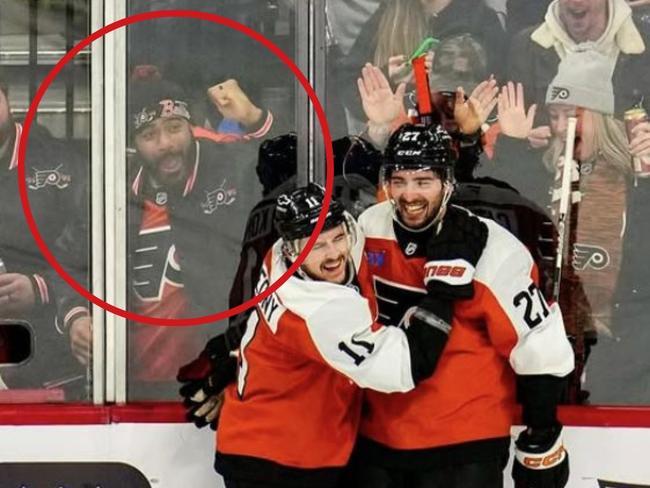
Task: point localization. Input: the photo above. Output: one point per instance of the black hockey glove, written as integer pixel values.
(427, 328)
(452, 254)
(204, 380)
(540, 459)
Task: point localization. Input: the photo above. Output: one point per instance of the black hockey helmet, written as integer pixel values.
(296, 213)
(354, 155)
(276, 161)
(419, 147)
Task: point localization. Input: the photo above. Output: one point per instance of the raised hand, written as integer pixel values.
(513, 118)
(380, 104)
(640, 140)
(233, 103)
(471, 113)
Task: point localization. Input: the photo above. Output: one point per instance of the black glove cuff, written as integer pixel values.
(427, 333)
(539, 396)
(448, 293)
(438, 305)
(234, 334)
(224, 374)
(426, 344)
(219, 347)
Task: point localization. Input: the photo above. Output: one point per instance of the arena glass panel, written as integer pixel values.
(46, 338)
(515, 177)
(200, 201)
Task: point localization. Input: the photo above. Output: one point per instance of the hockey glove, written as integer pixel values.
(427, 328)
(452, 254)
(204, 380)
(540, 459)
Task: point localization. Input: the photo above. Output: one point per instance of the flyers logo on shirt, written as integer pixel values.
(48, 177)
(218, 197)
(155, 267)
(585, 256)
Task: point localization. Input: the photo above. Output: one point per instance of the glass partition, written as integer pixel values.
(199, 187)
(33, 37)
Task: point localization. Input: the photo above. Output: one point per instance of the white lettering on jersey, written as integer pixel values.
(271, 307)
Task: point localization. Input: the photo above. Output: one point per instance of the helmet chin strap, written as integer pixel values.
(448, 189)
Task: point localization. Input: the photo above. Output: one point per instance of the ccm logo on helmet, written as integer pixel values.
(444, 270)
(409, 152)
(552, 459)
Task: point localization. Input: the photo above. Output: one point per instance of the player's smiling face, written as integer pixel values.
(165, 147)
(327, 260)
(417, 195)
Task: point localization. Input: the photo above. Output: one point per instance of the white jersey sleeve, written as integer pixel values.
(347, 338)
(523, 326)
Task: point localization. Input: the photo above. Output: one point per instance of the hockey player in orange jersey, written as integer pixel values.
(453, 430)
(291, 418)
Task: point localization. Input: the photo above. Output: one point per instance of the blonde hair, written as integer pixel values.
(609, 142)
(401, 30)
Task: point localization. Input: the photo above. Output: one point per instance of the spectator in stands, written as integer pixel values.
(459, 61)
(398, 26)
(187, 208)
(29, 288)
(218, 53)
(608, 26)
(500, 7)
(523, 14)
(345, 18)
(188, 202)
(608, 218)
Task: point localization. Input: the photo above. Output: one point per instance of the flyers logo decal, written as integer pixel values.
(218, 197)
(48, 177)
(585, 256)
(561, 93)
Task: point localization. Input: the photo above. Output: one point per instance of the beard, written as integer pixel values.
(171, 168)
(416, 214)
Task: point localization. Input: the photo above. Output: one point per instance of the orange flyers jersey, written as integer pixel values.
(157, 279)
(156, 352)
(506, 328)
(306, 351)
